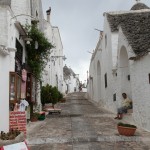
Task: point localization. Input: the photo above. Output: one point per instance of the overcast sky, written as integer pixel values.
(77, 20)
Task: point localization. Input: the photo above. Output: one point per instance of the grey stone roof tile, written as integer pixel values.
(68, 72)
(136, 28)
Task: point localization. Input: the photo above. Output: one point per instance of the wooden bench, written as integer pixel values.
(53, 110)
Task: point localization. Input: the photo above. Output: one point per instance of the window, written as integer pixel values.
(36, 13)
(105, 41)
(18, 57)
(114, 97)
(105, 80)
(128, 77)
(149, 78)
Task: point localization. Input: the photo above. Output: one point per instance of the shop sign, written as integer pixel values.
(17, 146)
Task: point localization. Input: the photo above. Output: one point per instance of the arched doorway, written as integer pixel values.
(98, 81)
(124, 72)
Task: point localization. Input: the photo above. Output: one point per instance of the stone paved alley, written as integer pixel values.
(82, 126)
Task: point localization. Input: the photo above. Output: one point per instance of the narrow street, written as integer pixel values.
(81, 126)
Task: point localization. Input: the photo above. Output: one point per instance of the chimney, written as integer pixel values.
(101, 34)
(48, 14)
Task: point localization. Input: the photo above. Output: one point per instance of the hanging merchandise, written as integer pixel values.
(23, 105)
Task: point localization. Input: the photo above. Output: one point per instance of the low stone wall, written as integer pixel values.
(19, 138)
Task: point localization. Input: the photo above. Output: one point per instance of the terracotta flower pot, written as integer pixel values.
(63, 100)
(127, 131)
(34, 119)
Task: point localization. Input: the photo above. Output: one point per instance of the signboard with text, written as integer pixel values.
(17, 146)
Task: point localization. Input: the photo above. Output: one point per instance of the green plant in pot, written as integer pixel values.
(46, 94)
(54, 95)
(50, 94)
(35, 116)
(126, 129)
(60, 97)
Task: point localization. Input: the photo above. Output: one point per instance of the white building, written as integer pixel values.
(14, 15)
(121, 61)
(71, 81)
(53, 72)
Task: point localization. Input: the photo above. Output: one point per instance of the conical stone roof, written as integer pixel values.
(139, 6)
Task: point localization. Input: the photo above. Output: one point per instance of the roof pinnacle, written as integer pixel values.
(138, 1)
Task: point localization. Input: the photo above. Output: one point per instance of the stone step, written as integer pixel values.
(130, 111)
(128, 118)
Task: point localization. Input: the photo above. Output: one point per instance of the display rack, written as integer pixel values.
(14, 88)
(31, 88)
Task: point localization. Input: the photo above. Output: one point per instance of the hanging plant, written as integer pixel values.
(37, 56)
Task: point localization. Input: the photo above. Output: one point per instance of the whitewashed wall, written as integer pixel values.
(6, 33)
(18, 11)
(21, 9)
(107, 60)
(64, 87)
(4, 86)
(53, 72)
(140, 92)
(114, 58)
(37, 13)
(72, 84)
(47, 74)
(139, 80)
(104, 61)
(58, 51)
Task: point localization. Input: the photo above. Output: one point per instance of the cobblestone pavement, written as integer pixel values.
(82, 126)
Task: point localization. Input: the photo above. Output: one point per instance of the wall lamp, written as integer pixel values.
(23, 33)
(53, 58)
(26, 38)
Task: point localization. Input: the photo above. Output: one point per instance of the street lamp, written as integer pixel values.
(56, 57)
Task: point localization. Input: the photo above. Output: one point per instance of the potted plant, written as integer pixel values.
(12, 137)
(61, 98)
(46, 94)
(54, 96)
(42, 115)
(34, 117)
(126, 129)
